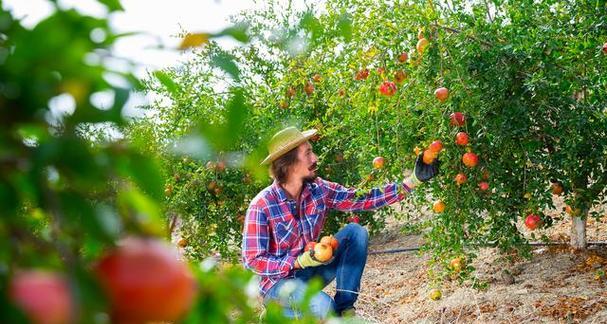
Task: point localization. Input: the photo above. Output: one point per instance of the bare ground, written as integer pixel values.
(556, 286)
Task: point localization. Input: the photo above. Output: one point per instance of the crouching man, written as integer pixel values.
(291, 212)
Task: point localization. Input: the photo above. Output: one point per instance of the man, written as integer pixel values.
(291, 212)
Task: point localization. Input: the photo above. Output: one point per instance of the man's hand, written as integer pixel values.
(306, 260)
(422, 172)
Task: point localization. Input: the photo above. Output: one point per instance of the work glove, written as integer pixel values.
(306, 260)
(422, 172)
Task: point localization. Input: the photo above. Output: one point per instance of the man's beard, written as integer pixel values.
(310, 179)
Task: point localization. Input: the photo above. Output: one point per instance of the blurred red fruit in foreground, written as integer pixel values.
(145, 281)
(43, 296)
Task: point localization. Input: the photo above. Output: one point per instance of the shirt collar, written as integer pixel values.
(282, 195)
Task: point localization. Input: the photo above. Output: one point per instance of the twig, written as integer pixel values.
(172, 224)
(488, 11)
(480, 313)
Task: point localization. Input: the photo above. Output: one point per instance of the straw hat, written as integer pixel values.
(286, 140)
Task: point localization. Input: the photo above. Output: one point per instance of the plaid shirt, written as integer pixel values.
(273, 236)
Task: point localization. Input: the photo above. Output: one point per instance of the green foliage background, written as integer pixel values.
(529, 76)
(67, 193)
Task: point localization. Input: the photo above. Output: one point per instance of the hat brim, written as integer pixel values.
(307, 134)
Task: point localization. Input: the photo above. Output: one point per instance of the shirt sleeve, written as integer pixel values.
(255, 243)
(350, 199)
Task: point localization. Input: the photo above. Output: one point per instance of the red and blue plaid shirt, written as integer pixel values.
(274, 235)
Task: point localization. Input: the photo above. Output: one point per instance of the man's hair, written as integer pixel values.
(280, 167)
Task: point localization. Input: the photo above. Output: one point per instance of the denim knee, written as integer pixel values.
(357, 232)
(290, 293)
(321, 305)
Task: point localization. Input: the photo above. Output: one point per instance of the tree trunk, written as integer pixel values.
(578, 232)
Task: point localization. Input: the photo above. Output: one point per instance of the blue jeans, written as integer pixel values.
(347, 268)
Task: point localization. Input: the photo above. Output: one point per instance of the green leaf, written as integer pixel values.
(90, 295)
(112, 5)
(238, 32)
(147, 213)
(225, 62)
(114, 37)
(254, 158)
(10, 202)
(121, 96)
(311, 24)
(166, 80)
(10, 313)
(146, 173)
(236, 116)
(344, 27)
(78, 213)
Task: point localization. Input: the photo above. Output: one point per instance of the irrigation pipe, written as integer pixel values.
(416, 248)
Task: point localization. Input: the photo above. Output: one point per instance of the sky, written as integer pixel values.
(157, 21)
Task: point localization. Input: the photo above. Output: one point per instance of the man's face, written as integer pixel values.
(307, 163)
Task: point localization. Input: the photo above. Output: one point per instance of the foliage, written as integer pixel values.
(529, 78)
(66, 196)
